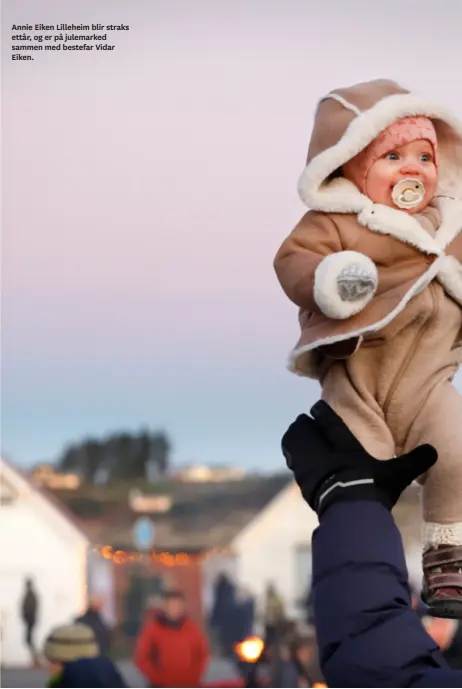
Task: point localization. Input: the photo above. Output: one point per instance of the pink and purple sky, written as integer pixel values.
(145, 193)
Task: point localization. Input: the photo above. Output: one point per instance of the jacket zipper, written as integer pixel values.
(412, 350)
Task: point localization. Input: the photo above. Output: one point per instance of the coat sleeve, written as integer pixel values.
(367, 632)
(144, 652)
(311, 260)
(315, 237)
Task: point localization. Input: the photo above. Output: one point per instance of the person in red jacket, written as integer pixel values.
(171, 650)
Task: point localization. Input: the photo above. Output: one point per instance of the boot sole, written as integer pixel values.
(446, 609)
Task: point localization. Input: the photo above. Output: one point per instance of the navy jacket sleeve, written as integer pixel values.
(368, 634)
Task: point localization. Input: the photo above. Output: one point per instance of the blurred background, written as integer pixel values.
(144, 391)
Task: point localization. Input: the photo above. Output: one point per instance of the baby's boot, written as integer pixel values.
(442, 583)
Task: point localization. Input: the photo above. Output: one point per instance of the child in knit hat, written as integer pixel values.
(375, 269)
(75, 661)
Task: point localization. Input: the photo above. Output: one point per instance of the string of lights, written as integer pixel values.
(163, 557)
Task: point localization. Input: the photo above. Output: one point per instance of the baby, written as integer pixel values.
(375, 268)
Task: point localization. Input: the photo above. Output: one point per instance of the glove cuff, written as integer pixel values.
(348, 486)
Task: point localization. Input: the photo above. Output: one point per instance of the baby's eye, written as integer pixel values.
(392, 156)
(426, 158)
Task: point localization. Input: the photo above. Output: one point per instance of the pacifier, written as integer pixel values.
(408, 193)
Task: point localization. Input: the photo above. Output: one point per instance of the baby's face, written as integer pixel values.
(416, 160)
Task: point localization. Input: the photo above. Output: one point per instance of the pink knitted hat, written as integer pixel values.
(397, 134)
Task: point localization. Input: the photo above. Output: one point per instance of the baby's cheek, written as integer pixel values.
(432, 183)
(378, 186)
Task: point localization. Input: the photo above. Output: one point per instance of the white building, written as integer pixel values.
(37, 540)
(276, 547)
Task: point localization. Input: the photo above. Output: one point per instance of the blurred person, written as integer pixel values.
(237, 622)
(29, 615)
(273, 615)
(298, 668)
(307, 604)
(441, 630)
(295, 660)
(75, 661)
(245, 614)
(448, 635)
(171, 650)
(368, 634)
(95, 620)
(453, 652)
(224, 601)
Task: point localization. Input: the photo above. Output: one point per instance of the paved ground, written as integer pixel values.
(219, 669)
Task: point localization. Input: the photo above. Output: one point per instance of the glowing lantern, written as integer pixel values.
(250, 649)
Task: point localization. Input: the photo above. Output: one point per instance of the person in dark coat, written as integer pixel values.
(223, 600)
(224, 603)
(238, 622)
(240, 626)
(75, 660)
(94, 619)
(29, 615)
(245, 614)
(367, 632)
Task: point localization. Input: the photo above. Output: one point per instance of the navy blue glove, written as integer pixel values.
(329, 464)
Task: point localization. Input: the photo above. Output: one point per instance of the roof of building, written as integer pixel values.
(13, 473)
(203, 515)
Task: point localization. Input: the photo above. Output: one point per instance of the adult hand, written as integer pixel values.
(330, 464)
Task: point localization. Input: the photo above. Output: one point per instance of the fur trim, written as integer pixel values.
(451, 220)
(347, 197)
(361, 131)
(441, 534)
(417, 287)
(325, 284)
(450, 277)
(396, 223)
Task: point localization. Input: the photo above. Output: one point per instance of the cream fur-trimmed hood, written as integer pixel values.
(347, 120)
